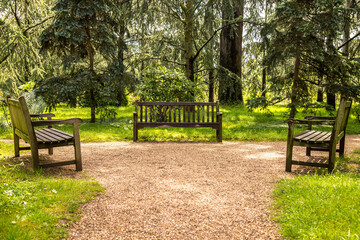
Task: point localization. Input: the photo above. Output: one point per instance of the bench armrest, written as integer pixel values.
(318, 117)
(43, 115)
(292, 121)
(56, 122)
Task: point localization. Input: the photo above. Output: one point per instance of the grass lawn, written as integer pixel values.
(238, 125)
(319, 207)
(36, 206)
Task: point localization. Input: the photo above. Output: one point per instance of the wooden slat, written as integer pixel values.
(64, 133)
(192, 109)
(155, 113)
(207, 110)
(146, 113)
(56, 164)
(151, 113)
(170, 113)
(304, 134)
(164, 114)
(311, 136)
(141, 113)
(174, 113)
(43, 137)
(212, 113)
(52, 135)
(326, 137)
(184, 113)
(188, 110)
(203, 113)
(320, 137)
(198, 113)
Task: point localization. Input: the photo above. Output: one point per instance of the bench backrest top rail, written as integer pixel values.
(341, 119)
(20, 118)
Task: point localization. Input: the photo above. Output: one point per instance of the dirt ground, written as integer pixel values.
(175, 190)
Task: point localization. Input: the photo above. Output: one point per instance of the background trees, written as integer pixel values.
(95, 53)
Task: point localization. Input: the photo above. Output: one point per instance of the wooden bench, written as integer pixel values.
(319, 140)
(44, 138)
(177, 114)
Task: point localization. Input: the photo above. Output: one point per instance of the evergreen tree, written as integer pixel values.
(83, 35)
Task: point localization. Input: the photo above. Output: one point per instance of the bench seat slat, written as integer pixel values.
(313, 137)
(48, 135)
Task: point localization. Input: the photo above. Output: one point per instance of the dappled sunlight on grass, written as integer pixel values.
(238, 125)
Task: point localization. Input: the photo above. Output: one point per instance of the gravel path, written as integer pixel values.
(183, 190)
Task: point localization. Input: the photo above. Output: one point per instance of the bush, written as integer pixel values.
(162, 84)
(356, 112)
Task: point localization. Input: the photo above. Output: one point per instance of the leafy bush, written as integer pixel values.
(356, 112)
(162, 84)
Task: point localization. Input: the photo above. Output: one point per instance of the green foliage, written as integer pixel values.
(84, 35)
(106, 113)
(356, 111)
(35, 206)
(319, 207)
(308, 30)
(162, 84)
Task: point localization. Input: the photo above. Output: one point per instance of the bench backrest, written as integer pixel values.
(177, 112)
(341, 120)
(20, 119)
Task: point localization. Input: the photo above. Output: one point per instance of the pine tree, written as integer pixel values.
(81, 32)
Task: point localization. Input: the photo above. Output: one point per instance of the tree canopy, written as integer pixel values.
(108, 52)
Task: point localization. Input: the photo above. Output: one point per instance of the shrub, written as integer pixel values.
(162, 84)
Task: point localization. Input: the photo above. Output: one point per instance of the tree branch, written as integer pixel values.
(34, 26)
(342, 45)
(177, 15)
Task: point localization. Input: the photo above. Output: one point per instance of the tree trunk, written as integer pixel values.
(264, 72)
(263, 83)
(320, 95)
(211, 85)
(91, 68)
(230, 87)
(295, 86)
(188, 41)
(239, 51)
(330, 99)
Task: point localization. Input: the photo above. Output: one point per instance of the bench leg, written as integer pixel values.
(135, 135)
(289, 152)
(16, 145)
(51, 151)
(77, 147)
(289, 148)
(219, 134)
(308, 151)
(35, 157)
(342, 147)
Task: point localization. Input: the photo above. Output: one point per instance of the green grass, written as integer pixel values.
(238, 125)
(319, 207)
(35, 206)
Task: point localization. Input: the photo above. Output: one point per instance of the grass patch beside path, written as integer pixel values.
(238, 125)
(321, 206)
(34, 206)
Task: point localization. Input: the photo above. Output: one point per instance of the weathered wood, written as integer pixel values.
(178, 114)
(24, 128)
(319, 140)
